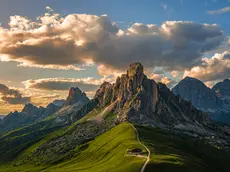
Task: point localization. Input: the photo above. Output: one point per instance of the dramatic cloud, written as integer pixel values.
(12, 96)
(219, 11)
(85, 84)
(76, 40)
(212, 69)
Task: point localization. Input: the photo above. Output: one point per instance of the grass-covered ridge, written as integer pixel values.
(105, 153)
(178, 152)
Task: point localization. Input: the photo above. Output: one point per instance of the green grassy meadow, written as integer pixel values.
(105, 153)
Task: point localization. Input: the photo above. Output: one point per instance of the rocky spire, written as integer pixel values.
(135, 69)
(132, 91)
(136, 98)
(75, 95)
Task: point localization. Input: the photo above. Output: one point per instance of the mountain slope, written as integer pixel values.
(102, 154)
(109, 152)
(213, 101)
(197, 92)
(179, 152)
(31, 114)
(222, 89)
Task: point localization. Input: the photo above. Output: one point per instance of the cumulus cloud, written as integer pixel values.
(219, 11)
(175, 74)
(212, 69)
(163, 79)
(12, 96)
(70, 42)
(85, 84)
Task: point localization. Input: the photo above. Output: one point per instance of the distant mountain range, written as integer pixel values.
(215, 101)
(31, 114)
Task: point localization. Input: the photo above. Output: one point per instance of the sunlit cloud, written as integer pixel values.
(212, 69)
(71, 42)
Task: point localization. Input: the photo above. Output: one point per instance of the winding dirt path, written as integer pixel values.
(149, 153)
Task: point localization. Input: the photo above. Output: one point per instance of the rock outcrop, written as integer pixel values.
(139, 99)
(76, 95)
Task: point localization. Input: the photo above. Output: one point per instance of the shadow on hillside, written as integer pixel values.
(154, 167)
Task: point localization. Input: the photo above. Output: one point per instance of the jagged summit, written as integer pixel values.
(134, 69)
(75, 95)
(134, 97)
(222, 89)
(29, 108)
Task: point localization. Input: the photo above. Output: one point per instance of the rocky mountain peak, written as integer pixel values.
(75, 95)
(222, 89)
(134, 97)
(59, 102)
(197, 92)
(135, 69)
(29, 109)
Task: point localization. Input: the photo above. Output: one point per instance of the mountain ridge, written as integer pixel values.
(216, 104)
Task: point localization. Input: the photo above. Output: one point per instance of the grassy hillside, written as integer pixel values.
(61, 151)
(105, 153)
(174, 152)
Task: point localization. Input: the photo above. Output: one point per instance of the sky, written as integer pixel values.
(48, 46)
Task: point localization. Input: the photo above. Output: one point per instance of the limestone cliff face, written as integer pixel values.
(138, 99)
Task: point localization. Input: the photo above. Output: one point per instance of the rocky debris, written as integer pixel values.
(76, 95)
